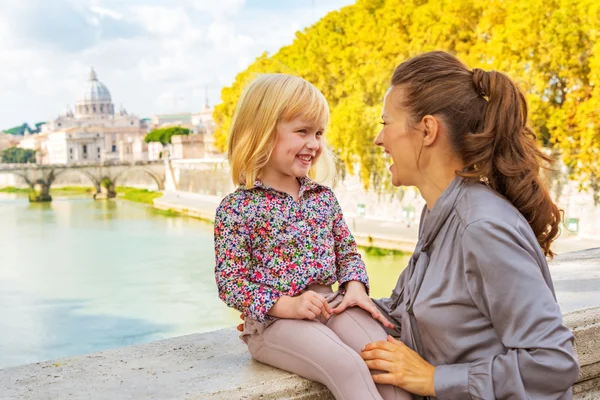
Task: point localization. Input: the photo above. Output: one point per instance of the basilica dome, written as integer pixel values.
(94, 100)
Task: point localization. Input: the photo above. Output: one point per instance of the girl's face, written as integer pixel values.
(398, 141)
(298, 145)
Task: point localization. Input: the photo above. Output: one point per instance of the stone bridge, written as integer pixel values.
(104, 176)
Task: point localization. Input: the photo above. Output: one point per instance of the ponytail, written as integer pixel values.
(506, 153)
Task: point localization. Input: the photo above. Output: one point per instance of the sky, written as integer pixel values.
(155, 56)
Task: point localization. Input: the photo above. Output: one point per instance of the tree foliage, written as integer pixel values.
(550, 47)
(163, 135)
(16, 155)
(25, 129)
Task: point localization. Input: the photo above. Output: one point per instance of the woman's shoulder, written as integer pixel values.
(485, 215)
(481, 204)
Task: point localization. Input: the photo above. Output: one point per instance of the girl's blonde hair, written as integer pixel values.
(268, 99)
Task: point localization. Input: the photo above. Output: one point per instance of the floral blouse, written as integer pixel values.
(268, 245)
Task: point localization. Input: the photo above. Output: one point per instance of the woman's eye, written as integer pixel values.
(382, 122)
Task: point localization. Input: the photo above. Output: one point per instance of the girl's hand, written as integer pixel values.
(308, 305)
(402, 366)
(356, 296)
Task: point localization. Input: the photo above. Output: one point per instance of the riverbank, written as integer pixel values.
(375, 236)
(383, 235)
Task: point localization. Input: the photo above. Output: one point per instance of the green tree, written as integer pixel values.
(16, 155)
(163, 135)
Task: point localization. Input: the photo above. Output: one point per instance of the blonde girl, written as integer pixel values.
(281, 242)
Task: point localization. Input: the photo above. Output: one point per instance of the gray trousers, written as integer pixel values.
(323, 351)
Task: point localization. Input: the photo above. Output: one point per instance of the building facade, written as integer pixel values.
(91, 131)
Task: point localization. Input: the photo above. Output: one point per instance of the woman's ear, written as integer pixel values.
(431, 130)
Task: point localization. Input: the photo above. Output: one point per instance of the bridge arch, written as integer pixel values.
(20, 174)
(160, 180)
(91, 176)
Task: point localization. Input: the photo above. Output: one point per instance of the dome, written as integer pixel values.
(95, 101)
(94, 90)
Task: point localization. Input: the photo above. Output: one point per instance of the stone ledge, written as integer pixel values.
(216, 365)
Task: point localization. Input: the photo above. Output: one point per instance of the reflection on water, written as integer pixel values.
(78, 276)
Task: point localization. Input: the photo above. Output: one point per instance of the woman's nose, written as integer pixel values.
(379, 138)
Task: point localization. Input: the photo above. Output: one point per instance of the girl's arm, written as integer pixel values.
(349, 264)
(236, 279)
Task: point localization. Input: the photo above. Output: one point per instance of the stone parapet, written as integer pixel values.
(216, 365)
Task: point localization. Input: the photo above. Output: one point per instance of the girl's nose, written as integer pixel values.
(313, 143)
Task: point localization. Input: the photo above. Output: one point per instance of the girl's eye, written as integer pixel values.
(319, 133)
(303, 131)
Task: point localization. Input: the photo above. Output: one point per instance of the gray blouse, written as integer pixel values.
(477, 301)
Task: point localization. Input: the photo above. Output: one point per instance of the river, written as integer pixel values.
(78, 276)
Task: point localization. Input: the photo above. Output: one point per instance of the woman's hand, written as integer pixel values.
(402, 366)
(356, 296)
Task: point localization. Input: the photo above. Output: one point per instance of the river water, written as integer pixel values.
(78, 276)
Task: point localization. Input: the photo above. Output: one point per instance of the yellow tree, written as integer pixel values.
(548, 46)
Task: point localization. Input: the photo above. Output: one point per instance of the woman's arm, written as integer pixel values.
(507, 285)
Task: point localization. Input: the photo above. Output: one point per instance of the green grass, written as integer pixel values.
(65, 190)
(12, 189)
(136, 195)
(143, 196)
(378, 252)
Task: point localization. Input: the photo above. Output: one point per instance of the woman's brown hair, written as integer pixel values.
(486, 116)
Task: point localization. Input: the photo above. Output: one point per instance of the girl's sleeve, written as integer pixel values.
(233, 265)
(349, 264)
(507, 284)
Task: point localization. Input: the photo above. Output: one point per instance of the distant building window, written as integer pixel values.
(94, 109)
(98, 150)
(101, 108)
(84, 149)
(71, 150)
(97, 135)
(114, 148)
(131, 122)
(98, 155)
(59, 124)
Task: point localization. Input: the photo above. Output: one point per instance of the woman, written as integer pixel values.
(476, 303)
